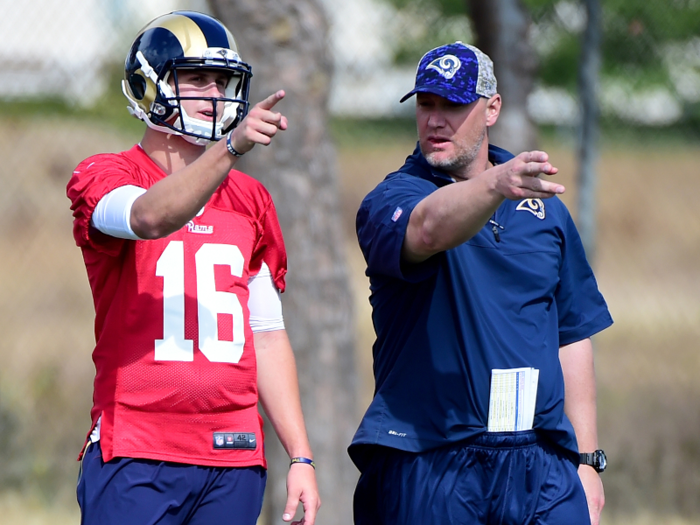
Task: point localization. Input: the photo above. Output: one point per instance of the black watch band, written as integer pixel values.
(598, 460)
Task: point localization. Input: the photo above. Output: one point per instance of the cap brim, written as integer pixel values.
(451, 95)
(407, 96)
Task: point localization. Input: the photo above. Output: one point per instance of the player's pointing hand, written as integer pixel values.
(260, 125)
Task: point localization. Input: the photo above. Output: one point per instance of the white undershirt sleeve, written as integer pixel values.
(264, 302)
(112, 215)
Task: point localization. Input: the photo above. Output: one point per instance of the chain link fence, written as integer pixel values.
(58, 61)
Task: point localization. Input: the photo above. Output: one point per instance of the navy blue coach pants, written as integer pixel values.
(507, 478)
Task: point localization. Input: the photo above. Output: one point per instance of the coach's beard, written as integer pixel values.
(466, 151)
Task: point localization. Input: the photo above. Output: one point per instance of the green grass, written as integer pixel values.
(110, 110)
(110, 113)
(613, 134)
(371, 132)
(617, 134)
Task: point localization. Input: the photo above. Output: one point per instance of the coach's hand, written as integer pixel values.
(593, 487)
(518, 178)
(301, 487)
(259, 125)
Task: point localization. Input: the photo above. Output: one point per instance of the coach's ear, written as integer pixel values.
(493, 109)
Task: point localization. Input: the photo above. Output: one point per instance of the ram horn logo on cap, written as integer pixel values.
(447, 66)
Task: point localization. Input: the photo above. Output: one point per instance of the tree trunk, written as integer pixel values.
(285, 41)
(589, 70)
(501, 27)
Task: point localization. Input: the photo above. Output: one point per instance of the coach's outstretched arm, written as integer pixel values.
(455, 213)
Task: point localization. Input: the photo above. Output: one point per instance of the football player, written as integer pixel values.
(186, 262)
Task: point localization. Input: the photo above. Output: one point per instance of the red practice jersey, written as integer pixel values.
(174, 357)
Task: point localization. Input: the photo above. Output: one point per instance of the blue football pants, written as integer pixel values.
(145, 492)
(503, 478)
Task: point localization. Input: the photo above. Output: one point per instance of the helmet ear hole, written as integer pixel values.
(138, 86)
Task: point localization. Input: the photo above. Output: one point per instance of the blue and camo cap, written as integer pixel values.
(458, 72)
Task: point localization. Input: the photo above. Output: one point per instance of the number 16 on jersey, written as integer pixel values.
(210, 303)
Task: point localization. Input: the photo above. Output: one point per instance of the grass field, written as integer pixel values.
(647, 264)
(18, 510)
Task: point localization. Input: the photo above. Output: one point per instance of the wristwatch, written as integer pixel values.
(597, 460)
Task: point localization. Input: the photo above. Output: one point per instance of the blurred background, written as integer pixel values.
(610, 88)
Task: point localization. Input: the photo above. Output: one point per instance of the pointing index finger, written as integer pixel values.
(270, 101)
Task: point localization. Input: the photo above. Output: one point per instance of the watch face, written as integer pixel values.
(598, 460)
(601, 460)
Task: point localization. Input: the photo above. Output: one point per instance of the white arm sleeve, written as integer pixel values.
(264, 302)
(112, 215)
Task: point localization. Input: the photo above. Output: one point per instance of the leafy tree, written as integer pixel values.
(499, 29)
(421, 25)
(638, 36)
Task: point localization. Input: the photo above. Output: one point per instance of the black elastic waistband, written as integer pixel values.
(501, 440)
